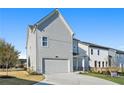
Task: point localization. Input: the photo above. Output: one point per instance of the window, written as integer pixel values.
(91, 51)
(98, 52)
(103, 64)
(106, 63)
(110, 59)
(95, 63)
(99, 64)
(109, 64)
(44, 41)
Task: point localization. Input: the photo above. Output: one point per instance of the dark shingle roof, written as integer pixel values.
(99, 46)
(45, 21)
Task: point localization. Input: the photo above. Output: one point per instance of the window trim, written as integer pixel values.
(44, 41)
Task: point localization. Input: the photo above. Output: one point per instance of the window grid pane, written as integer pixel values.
(44, 41)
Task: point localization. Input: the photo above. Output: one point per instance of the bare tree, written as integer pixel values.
(8, 55)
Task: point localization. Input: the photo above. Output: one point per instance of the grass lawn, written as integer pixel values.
(119, 80)
(20, 78)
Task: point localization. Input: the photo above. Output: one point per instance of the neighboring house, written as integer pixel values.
(23, 62)
(90, 56)
(120, 60)
(51, 48)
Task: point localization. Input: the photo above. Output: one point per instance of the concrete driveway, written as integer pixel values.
(73, 79)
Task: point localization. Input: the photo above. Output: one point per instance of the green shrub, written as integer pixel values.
(31, 72)
(121, 73)
(106, 72)
(80, 72)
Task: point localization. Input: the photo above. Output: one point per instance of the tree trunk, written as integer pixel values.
(2, 67)
(7, 68)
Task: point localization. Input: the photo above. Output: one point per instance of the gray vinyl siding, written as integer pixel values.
(114, 60)
(62, 45)
(31, 49)
(59, 43)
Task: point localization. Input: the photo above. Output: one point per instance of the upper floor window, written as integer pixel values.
(44, 41)
(98, 52)
(91, 51)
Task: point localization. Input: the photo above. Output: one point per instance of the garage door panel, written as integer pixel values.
(55, 66)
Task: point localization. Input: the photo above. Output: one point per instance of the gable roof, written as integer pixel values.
(120, 52)
(45, 21)
(92, 45)
(100, 46)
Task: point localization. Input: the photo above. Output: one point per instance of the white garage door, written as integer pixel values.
(55, 66)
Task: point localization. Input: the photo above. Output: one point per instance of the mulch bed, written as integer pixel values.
(6, 77)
